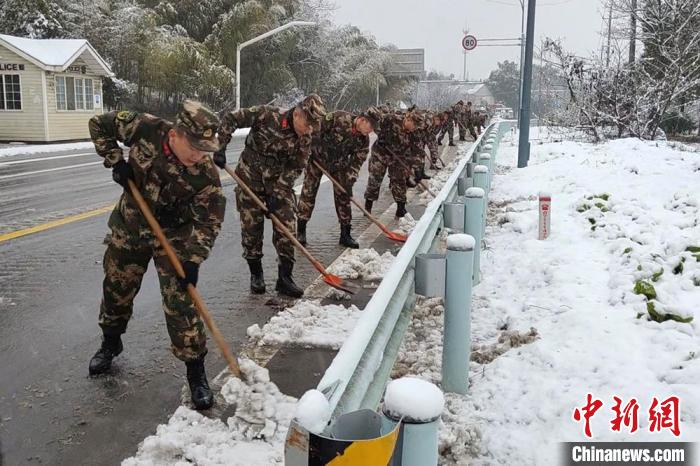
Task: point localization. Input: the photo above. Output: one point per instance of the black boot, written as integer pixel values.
(301, 231)
(257, 279)
(101, 362)
(400, 209)
(346, 239)
(201, 395)
(368, 205)
(285, 282)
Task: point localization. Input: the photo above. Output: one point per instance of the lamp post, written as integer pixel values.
(252, 41)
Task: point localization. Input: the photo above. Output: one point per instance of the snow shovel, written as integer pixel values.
(333, 280)
(388, 233)
(199, 305)
(420, 182)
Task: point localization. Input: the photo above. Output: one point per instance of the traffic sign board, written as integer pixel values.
(469, 42)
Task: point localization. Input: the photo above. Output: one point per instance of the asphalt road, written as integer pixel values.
(51, 412)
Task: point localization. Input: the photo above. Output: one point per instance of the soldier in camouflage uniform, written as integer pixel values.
(448, 126)
(469, 120)
(426, 138)
(479, 122)
(397, 137)
(276, 152)
(169, 164)
(343, 144)
(460, 118)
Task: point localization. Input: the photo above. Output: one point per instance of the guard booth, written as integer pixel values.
(49, 88)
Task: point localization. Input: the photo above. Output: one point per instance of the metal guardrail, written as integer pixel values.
(357, 377)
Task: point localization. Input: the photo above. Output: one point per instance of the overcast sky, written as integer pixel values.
(437, 26)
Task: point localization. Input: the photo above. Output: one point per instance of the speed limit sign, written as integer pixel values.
(469, 42)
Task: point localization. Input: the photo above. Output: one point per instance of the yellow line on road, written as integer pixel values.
(54, 223)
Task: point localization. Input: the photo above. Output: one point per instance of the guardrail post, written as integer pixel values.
(418, 438)
(456, 347)
(474, 202)
(486, 159)
(453, 215)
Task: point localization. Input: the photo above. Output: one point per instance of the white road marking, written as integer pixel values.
(36, 172)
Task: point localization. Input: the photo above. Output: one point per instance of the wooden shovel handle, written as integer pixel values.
(199, 304)
(342, 189)
(276, 221)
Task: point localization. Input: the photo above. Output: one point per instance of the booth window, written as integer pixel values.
(10, 92)
(74, 93)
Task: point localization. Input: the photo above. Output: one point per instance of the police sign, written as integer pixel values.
(11, 67)
(469, 42)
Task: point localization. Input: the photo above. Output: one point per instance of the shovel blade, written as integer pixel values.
(337, 283)
(398, 237)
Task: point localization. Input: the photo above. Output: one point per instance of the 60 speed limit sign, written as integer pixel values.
(469, 42)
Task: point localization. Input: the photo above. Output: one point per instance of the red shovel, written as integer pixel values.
(333, 280)
(388, 233)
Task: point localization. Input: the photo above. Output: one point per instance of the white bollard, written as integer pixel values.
(545, 222)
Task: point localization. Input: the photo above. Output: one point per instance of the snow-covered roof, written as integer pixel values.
(55, 54)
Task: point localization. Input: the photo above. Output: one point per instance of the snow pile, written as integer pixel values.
(460, 242)
(308, 323)
(27, 149)
(313, 411)
(406, 224)
(255, 434)
(366, 264)
(414, 399)
(577, 290)
(191, 438)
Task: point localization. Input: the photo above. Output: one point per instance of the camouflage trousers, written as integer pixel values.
(125, 263)
(264, 182)
(312, 181)
(381, 162)
(449, 128)
(472, 132)
(433, 148)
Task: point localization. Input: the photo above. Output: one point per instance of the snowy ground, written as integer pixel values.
(555, 320)
(551, 320)
(29, 149)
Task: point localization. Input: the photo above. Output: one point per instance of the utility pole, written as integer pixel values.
(633, 32)
(524, 142)
(607, 59)
(522, 58)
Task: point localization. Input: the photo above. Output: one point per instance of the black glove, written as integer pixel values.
(219, 158)
(122, 172)
(191, 275)
(272, 204)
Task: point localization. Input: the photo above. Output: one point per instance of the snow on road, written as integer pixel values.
(30, 149)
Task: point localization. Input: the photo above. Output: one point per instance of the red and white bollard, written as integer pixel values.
(545, 215)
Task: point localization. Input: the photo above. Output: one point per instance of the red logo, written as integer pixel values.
(662, 415)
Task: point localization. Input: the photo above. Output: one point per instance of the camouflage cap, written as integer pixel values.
(314, 107)
(200, 125)
(373, 115)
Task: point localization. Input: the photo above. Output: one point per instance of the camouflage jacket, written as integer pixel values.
(340, 146)
(189, 203)
(272, 142)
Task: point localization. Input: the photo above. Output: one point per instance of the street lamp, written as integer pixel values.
(252, 41)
